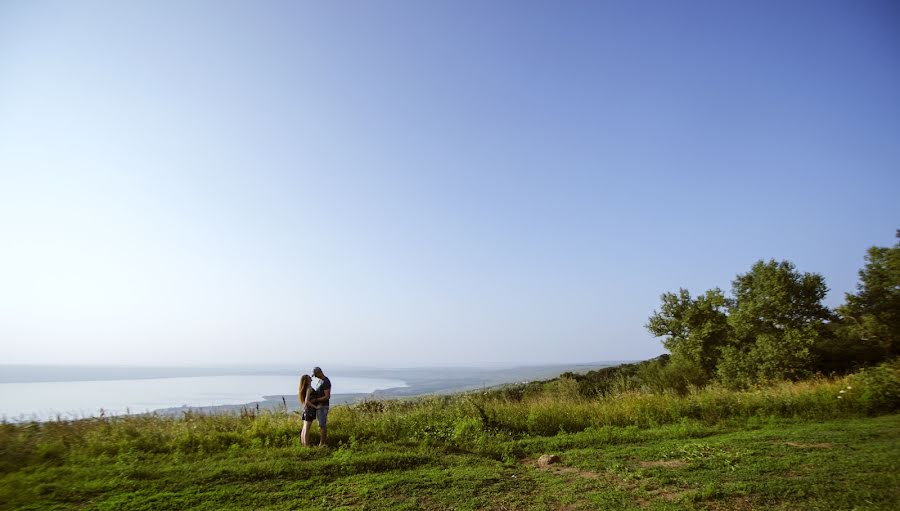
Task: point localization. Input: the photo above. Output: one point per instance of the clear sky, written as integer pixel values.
(408, 182)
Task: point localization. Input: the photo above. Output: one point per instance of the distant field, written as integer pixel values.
(792, 446)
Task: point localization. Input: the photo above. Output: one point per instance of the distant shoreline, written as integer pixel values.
(419, 382)
(407, 383)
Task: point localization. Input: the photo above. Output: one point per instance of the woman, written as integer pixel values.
(306, 394)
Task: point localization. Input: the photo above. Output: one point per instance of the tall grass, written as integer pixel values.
(489, 423)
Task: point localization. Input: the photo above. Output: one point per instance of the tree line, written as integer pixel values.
(774, 326)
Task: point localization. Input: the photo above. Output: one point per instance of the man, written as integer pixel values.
(324, 395)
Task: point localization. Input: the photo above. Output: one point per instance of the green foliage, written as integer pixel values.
(871, 317)
(737, 369)
(841, 351)
(677, 374)
(604, 382)
(879, 387)
(774, 327)
(776, 318)
(696, 329)
(773, 297)
(468, 433)
(770, 357)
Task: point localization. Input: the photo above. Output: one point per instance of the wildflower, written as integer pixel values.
(849, 387)
(840, 397)
(843, 392)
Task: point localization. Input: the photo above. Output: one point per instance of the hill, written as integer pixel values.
(816, 444)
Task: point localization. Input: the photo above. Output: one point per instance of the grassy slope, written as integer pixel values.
(808, 445)
(781, 464)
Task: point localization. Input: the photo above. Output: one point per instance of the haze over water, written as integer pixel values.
(75, 399)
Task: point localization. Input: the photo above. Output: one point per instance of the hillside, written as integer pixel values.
(821, 444)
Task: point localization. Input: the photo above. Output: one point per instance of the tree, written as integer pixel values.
(695, 328)
(872, 315)
(775, 319)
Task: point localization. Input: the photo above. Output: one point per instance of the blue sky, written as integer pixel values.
(408, 183)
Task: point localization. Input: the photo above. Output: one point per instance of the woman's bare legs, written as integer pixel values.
(304, 434)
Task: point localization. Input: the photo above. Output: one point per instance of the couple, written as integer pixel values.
(314, 401)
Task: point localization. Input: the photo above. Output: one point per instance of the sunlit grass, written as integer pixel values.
(115, 459)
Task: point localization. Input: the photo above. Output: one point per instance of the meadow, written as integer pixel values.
(825, 443)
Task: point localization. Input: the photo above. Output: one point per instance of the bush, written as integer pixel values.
(677, 374)
(605, 382)
(879, 387)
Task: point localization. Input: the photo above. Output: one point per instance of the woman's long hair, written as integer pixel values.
(305, 382)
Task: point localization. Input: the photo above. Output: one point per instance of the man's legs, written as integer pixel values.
(322, 415)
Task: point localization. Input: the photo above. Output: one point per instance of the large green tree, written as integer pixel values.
(775, 319)
(775, 326)
(694, 329)
(871, 316)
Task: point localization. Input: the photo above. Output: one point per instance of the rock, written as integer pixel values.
(548, 459)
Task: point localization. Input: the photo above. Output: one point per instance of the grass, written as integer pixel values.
(790, 446)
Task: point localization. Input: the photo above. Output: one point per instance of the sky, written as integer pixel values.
(403, 183)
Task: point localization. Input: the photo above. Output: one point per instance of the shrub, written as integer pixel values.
(879, 387)
(676, 374)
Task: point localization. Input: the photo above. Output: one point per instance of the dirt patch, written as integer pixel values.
(670, 494)
(667, 494)
(574, 471)
(558, 468)
(663, 464)
(810, 446)
(733, 504)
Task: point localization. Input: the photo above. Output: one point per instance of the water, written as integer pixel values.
(76, 399)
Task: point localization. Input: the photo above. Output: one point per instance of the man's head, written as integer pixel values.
(317, 372)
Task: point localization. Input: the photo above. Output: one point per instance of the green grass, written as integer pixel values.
(791, 446)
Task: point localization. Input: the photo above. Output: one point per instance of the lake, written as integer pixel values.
(77, 399)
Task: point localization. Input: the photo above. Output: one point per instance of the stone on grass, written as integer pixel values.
(547, 460)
